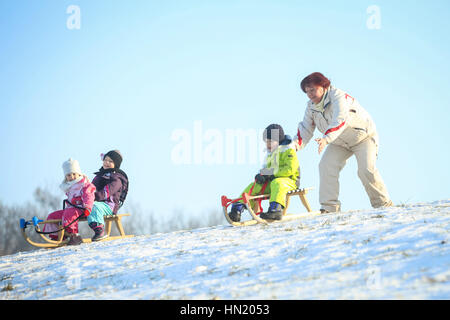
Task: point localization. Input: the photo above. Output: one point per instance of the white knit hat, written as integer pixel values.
(71, 166)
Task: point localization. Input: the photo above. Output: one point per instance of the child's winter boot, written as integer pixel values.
(275, 212)
(236, 209)
(75, 239)
(99, 230)
(55, 237)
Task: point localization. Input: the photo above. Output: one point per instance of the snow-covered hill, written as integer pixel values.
(393, 253)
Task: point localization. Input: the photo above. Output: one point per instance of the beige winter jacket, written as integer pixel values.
(342, 120)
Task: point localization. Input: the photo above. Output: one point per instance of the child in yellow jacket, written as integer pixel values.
(280, 174)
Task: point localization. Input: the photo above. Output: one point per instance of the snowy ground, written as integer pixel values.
(393, 253)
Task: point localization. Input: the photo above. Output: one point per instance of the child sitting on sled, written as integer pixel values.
(80, 194)
(112, 186)
(279, 175)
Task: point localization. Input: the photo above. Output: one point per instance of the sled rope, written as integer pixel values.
(262, 192)
(36, 228)
(226, 202)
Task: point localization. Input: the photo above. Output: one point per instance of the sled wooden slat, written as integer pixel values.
(49, 243)
(286, 217)
(238, 223)
(112, 217)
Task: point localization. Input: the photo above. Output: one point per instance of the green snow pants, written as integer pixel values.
(277, 188)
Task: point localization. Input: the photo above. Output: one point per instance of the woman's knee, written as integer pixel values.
(329, 167)
(366, 174)
(323, 165)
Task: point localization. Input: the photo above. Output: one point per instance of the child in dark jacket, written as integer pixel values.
(110, 182)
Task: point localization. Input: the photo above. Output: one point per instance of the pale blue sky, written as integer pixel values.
(136, 71)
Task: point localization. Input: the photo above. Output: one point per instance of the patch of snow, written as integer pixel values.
(390, 253)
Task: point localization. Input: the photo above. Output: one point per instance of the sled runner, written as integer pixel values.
(257, 209)
(49, 243)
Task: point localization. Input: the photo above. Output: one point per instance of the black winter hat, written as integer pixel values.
(274, 132)
(115, 156)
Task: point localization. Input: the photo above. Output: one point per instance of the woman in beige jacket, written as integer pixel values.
(347, 130)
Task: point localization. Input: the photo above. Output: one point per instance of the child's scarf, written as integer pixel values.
(66, 185)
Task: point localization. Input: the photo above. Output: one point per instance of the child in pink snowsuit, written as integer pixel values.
(80, 192)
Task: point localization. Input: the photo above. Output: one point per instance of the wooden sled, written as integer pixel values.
(49, 243)
(256, 210)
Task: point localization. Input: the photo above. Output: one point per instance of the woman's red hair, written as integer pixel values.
(315, 79)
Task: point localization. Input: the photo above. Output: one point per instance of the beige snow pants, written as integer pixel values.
(332, 162)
